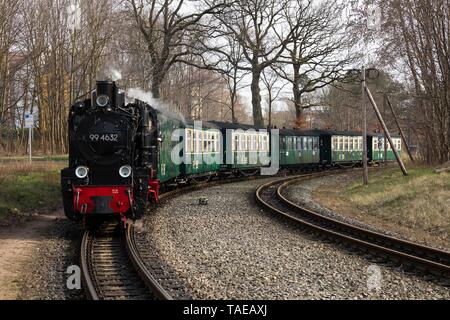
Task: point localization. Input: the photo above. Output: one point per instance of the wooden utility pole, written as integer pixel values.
(385, 139)
(364, 107)
(386, 131)
(400, 129)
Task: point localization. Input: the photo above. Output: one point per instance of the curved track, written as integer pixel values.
(411, 256)
(112, 268)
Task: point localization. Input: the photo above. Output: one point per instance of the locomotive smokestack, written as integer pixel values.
(105, 94)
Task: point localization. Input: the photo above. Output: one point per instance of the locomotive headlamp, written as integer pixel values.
(125, 172)
(81, 172)
(102, 101)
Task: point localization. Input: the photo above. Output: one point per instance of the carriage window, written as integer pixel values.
(218, 142)
(188, 141)
(197, 142)
(351, 144)
(316, 144)
(210, 142)
(345, 144)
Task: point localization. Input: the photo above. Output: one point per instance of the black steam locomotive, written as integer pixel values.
(112, 156)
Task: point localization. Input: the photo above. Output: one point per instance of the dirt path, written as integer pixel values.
(18, 246)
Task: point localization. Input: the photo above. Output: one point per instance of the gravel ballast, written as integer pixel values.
(230, 249)
(46, 277)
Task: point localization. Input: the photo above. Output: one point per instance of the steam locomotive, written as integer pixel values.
(112, 156)
(122, 155)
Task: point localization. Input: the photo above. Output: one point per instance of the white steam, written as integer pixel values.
(115, 75)
(139, 94)
(147, 97)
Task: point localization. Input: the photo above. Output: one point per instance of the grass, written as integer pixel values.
(35, 159)
(419, 201)
(29, 188)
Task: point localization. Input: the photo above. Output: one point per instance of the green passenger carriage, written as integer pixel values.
(245, 147)
(299, 148)
(378, 148)
(346, 147)
(202, 150)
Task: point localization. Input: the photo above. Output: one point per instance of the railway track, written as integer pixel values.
(382, 248)
(113, 269)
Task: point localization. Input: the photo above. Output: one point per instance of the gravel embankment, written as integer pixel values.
(46, 277)
(302, 193)
(230, 249)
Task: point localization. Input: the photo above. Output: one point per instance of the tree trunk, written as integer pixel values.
(157, 80)
(297, 94)
(156, 89)
(256, 98)
(233, 107)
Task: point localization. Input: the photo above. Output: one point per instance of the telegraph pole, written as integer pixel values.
(364, 112)
(385, 139)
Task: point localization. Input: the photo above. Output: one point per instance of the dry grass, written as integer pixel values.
(25, 167)
(420, 201)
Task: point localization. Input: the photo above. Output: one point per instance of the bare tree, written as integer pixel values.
(168, 32)
(318, 53)
(417, 34)
(274, 86)
(257, 25)
(9, 30)
(227, 59)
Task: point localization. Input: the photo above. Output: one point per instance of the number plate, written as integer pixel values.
(104, 137)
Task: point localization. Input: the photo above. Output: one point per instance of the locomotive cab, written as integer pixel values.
(112, 156)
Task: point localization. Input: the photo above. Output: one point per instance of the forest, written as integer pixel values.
(283, 63)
